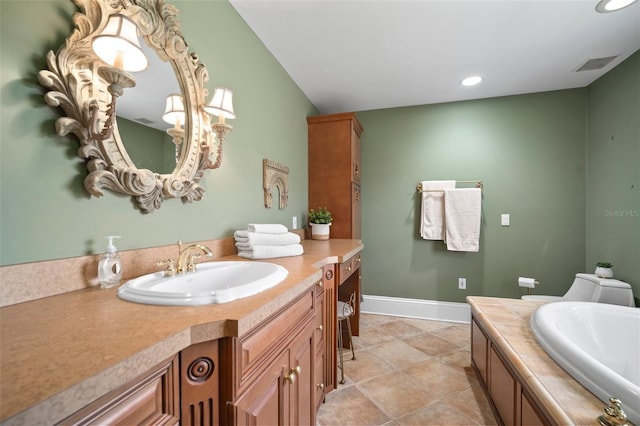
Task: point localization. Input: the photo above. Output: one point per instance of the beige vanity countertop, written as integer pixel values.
(507, 321)
(59, 353)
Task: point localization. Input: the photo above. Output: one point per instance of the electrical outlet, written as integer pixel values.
(462, 283)
(294, 222)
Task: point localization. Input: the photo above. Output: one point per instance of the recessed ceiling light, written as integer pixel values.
(605, 6)
(471, 81)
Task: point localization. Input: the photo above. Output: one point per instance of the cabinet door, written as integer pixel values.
(303, 388)
(529, 416)
(503, 388)
(479, 347)
(318, 377)
(266, 401)
(356, 203)
(355, 154)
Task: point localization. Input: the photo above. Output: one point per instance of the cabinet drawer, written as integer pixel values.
(254, 348)
(349, 266)
(152, 399)
(346, 269)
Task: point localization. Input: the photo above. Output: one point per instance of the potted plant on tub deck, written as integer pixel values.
(320, 221)
(603, 269)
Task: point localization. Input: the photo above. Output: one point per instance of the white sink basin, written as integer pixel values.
(213, 282)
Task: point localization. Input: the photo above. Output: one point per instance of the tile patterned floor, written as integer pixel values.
(408, 372)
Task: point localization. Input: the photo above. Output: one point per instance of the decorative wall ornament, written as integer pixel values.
(76, 86)
(275, 175)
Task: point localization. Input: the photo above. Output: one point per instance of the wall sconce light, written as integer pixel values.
(174, 114)
(221, 105)
(118, 46)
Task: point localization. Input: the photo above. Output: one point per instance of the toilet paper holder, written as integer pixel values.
(528, 283)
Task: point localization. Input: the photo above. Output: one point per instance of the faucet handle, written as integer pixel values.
(171, 268)
(191, 266)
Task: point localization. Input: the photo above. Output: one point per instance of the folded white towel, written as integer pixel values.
(463, 209)
(259, 239)
(432, 220)
(266, 252)
(268, 228)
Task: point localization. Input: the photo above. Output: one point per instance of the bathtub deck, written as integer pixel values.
(507, 320)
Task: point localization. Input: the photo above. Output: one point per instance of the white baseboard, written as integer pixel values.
(417, 308)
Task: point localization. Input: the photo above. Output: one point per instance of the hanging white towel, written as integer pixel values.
(266, 252)
(259, 239)
(432, 220)
(268, 228)
(462, 209)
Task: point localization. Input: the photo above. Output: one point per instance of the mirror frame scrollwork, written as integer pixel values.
(75, 85)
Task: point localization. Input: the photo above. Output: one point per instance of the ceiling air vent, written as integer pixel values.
(143, 120)
(595, 64)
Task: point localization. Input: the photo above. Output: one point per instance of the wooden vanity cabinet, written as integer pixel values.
(510, 402)
(270, 372)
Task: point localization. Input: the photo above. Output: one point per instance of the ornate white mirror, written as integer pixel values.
(91, 73)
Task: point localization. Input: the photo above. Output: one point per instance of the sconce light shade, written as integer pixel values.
(174, 110)
(118, 45)
(221, 104)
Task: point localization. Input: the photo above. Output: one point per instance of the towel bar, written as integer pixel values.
(478, 183)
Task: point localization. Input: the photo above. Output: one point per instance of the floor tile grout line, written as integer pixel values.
(457, 334)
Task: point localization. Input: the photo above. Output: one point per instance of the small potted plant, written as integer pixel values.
(603, 269)
(320, 221)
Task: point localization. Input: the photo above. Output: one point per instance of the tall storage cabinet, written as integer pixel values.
(334, 170)
(334, 182)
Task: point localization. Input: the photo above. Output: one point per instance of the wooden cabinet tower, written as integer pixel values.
(334, 170)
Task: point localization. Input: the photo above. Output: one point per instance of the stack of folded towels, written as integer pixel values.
(267, 240)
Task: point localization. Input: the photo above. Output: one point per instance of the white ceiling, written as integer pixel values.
(355, 55)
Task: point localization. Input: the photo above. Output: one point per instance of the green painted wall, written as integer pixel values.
(45, 213)
(530, 153)
(613, 171)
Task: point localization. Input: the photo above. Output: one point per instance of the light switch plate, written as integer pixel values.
(504, 219)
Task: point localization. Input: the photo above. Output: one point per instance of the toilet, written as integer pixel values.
(591, 288)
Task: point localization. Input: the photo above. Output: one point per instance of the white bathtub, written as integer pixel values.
(598, 344)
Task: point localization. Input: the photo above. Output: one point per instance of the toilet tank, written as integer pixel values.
(591, 288)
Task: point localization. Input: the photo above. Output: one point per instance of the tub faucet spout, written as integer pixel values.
(185, 259)
(613, 414)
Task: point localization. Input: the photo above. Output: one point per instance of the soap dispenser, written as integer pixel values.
(110, 267)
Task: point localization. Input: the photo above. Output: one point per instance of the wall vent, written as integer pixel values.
(595, 64)
(143, 120)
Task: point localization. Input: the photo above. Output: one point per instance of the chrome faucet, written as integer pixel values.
(185, 260)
